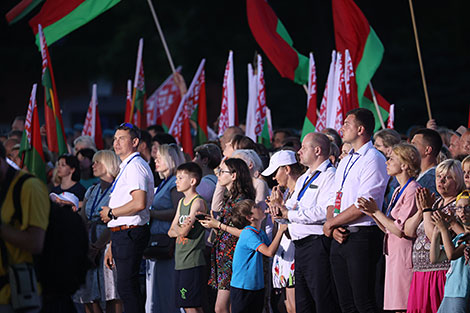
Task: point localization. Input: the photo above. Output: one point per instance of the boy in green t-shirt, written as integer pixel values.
(189, 233)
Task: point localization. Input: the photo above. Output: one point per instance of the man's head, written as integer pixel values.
(428, 142)
(315, 147)
(385, 139)
(83, 142)
(465, 143)
(279, 136)
(18, 123)
(145, 145)
(229, 134)
(454, 145)
(126, 140)
(358, 124)
(188, 175)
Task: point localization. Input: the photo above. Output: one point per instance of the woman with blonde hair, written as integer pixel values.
(403, 164)
(466, 171)
(100, 283)
(159, 270)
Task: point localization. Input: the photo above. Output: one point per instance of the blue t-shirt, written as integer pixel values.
(458, 276)
(247, 266)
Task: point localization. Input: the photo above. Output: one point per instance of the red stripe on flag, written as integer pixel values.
(52, 11)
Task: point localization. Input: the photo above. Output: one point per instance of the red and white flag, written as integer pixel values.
(348, 103)
(251, 107)
(163, 103)
(228, 108)
(92, 125)
(391, 117)
(327, 96)
(260, 113)
(335, 115)
(188, 104)
(127, 114)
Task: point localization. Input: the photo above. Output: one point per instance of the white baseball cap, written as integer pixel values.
(65, 196)
(280, 158)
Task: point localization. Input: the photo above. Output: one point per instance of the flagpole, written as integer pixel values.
(423, 78)
(377, 106)
(162, 37)
(306, 91)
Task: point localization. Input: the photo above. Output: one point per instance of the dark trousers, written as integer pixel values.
(246, 301)
(128, 247)
(314, 287)
(354, 267)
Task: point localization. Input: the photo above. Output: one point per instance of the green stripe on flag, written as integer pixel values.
(26, 10)
(35, 164)
(368, 104)
(308, 128)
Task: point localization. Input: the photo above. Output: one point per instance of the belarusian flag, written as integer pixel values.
(163, 103)
(194, 97)
(260, 113)
(92, 125)
(335, 116)
(327, 99)
(311, 116)
(139, 97)
(31, 145)
(21, 10)
(276, 43)
(61, 17)
(127, 113)
(266, 136)
(54, 126)
(199, 115)
(391, 117)
(228, 108)
(353, 32)
(251, 107)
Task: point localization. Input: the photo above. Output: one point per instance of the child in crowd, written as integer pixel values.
(457, 286)
(247, 284)
(189, 250)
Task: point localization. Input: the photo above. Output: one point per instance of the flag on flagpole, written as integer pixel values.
(199, 116)
(348, 101)
(92, 125)
(21, 10)
(391, 117)
(61, 17)
(31, 151)
(56, 140)
(127, 114)
(335, 116)
(353, 32)
(311, 116)
(266, 135)
(139, 97)
(327, 98)
(163, 103)
(179, 128)
(251, 107)
(275, 41)
(228, 108)
(260, 113)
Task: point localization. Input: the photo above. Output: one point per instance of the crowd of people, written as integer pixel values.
(362, 222)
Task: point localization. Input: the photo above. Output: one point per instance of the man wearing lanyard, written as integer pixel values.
(358, 241)
(128, 215)
(306, 212)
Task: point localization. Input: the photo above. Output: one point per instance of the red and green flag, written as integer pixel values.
(31, 152)
(311, 116)
(61, 17)
(275, 41)
(266, 136)
(199, 115)
(92, 125)
(56, 140)
(353, 32)
(127, 112)
(21, 10)
(139, 97)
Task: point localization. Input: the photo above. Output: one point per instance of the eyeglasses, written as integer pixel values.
(219, 172)
(466, 208)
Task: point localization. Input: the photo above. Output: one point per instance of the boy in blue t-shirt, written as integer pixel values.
(247, 284)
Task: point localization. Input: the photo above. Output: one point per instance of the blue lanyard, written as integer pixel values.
(160, 186)
(310, 181)
(395, 200)
(122, 171)
(346, 170)
(96, 201)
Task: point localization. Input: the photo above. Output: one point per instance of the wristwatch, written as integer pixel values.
(111, 215)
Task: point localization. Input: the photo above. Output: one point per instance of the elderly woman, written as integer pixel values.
(100, 281)
(403, 164)
(160, 272)
(427, 285)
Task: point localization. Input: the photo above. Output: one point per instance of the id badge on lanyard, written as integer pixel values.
(339, 195)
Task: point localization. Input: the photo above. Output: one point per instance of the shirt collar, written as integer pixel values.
(321, 168)
(363, 150)
(124, 162)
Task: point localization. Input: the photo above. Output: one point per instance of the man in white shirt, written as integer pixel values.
(128, 215)
(356, 249)
(306, 211)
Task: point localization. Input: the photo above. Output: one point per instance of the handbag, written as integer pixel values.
(23, 286)
(160, 247)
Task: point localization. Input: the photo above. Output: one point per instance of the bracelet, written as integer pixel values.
(428, 210)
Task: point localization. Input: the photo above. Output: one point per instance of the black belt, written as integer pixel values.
(304, 240)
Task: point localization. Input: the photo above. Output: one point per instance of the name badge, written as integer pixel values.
(312, 186)
(339, 195)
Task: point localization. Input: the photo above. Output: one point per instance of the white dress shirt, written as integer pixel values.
(308, 214)
(362, 173)
(134, 174)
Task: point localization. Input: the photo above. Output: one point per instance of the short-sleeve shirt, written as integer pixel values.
(247, 267)
(35, 207)
(76, 189)
(134, 174)
(458, 277)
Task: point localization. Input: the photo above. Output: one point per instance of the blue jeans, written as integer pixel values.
(454, 305)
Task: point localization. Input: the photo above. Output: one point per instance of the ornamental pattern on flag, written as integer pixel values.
(260, 114)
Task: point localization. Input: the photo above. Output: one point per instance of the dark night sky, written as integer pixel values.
(106, 49)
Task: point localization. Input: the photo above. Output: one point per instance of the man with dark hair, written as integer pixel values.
(155, 129)
(429, 143)
(128, 215)
(279, 136)
(357, 247)
(145, 145)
